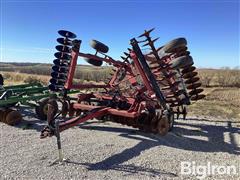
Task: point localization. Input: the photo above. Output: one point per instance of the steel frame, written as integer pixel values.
(136, 105)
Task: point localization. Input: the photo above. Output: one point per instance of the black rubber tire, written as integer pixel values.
(162, 54)
(99, 46)
(41, 108)
(181, 62)
(170, 46)
(93, 61)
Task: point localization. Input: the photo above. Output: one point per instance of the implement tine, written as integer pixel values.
(150, 42)
(123, 58)
(146, 33)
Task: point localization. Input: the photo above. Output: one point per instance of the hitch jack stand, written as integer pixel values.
(60, 159)
(50, 117)
(57, 133)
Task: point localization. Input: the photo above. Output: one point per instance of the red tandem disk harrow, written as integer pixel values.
(145, 91)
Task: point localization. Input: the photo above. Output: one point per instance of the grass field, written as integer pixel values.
(222, 86)
(11, 78)
(219, 102)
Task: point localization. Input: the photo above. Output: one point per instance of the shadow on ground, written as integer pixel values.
(180, 138)
(114, 163)
(200, 137)
(30, 120)
(183, 137)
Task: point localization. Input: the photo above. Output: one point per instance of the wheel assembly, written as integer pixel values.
(10, 117)
(13, 117)
(98, 46)
(34, 95)
(93, 61)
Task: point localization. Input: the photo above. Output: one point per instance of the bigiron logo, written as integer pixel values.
(201, 171)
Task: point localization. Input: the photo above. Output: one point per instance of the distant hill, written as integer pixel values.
(210, 77)
(5, 64)
(86, 72)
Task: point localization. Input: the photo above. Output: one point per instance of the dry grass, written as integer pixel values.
(230, 95)
(19, 78)
(11, 78)
(220, 77)
(219, 102)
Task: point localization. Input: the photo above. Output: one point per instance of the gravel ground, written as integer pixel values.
(111, 151)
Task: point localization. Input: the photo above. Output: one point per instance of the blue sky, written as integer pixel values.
(29, 28)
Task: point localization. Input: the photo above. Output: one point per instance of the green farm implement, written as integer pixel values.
(33, 95)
